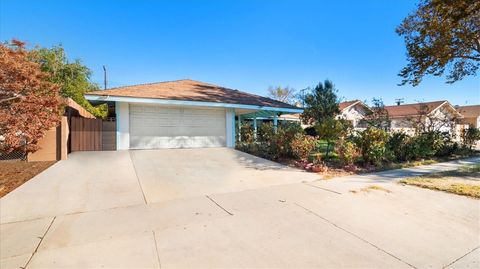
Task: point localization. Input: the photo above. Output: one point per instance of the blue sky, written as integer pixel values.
(247, 45)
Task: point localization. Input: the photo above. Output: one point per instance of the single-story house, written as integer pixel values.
(471, 115)
(435, 116)
(183, 113)
(355, 112)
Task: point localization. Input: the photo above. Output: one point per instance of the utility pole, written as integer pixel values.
(105, 77)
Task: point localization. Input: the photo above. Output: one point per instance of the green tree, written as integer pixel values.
(73, 77)
(321, 103)
(378, 116)
(331, 129)
(286, 95)
(441, 35)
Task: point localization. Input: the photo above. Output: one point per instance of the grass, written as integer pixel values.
(371, 188)
(464, 181)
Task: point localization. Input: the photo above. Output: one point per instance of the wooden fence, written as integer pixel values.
(92, 134)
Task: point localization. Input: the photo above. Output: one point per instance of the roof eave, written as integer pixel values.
(95, 97)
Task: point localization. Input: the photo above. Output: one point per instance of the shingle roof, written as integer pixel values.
(469, 111)
(346, 104)
(407, 110)
(190, 90)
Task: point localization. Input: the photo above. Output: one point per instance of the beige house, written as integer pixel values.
(355, 112)
(432, 116)
(471, 115)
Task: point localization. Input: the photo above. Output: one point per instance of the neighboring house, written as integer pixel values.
(429, 116)
(471, 115)
(183, 113)
(355, 112)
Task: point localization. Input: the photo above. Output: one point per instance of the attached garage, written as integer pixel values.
(156, 126)
(184, 114)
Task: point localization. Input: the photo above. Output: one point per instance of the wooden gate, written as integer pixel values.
(92, 134)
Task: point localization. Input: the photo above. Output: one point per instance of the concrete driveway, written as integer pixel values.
(223, 208)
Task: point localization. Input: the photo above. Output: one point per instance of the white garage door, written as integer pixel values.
(154, 126)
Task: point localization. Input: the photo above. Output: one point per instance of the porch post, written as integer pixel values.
(239, 122)
(255, 127)
(275, 122)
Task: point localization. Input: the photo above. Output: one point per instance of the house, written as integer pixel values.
(355, 112)
(471, 115)
(183, 113)
(429, 116)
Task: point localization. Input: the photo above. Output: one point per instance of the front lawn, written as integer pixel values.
(15, 173)
(465, 181)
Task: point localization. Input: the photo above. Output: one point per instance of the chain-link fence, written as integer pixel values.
(14, 155)
(18, 154)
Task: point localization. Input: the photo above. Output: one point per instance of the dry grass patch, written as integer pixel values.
(15, 173)
(371, 188)
(464, 181)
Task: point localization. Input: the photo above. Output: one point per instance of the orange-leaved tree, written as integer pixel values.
(29, 104)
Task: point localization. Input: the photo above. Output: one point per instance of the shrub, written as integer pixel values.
(246, 132)
(285, 134)
(397, 146)
(302, 146)
(270, 144)
(372, 145)
(469, 137)
(331, 129)
(347, 151)
(428, 143)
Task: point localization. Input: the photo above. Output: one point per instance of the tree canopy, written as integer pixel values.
(441, 36)
(378, 116)
(321, 103)
(29, 103)
(286, 95)
(73, 77)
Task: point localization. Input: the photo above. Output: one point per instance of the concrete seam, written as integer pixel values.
(461, 257)
(156, 249)
(211, 199)
(351, 233)
(39, 243)
(138, 179)
(313, 186)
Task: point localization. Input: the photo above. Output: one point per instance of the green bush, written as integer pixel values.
(346, 151)
(372, 145)
(397, 146)
(302, 146)
(270, 144)
(427, 144)
(469, 137)
(245, 132)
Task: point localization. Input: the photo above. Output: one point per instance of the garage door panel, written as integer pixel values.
(155, 126)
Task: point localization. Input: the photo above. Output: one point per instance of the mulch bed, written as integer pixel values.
(15, 173)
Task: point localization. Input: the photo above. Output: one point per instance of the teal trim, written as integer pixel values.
(187, 103)
(234, 137)
(117, 132)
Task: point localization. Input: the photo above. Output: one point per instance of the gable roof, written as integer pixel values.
(191, 90)
(409, 110)
(469, 111)
(347, 104)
